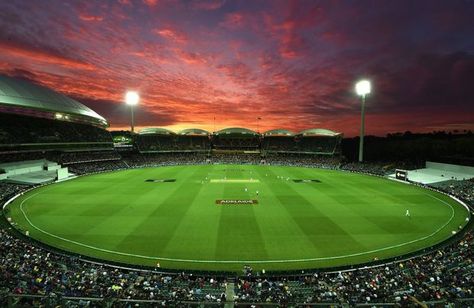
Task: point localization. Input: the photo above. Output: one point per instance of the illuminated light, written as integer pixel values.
(363, 87)
(132, 98)
(58, 116)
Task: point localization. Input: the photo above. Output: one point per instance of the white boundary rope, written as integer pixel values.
(157, 258)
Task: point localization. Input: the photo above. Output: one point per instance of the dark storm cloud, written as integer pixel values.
(430, 82)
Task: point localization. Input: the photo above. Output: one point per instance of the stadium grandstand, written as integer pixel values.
(47, 138)
(151, 140)
(236, 138)
(278, 140)
(194, 140)
(36, 118)
(320, 141)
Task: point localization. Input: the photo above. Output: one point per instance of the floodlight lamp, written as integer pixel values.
(132, 98)
(363, 87)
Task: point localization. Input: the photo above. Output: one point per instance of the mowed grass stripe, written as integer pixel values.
(317, 193)
(157, 228)
(197, 230)
(239, 234)
(320, 229)
(284, 238)
(104, 222)
(344, 206)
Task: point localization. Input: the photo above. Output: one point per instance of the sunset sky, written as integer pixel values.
(219, 63)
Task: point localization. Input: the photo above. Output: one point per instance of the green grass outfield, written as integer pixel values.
(345, 219)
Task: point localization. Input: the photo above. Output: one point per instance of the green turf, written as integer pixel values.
(345, 219)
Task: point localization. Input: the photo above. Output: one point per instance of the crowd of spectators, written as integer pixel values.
(86, 157)
(318, 144)
(303, 160)
(463, 189)
(278, 144)
(224, 142)
(443, 275)
(236, 158)
(379, 168)
(93, 167)
(155, 143)
(28, 269)
(165, 159)
(17, 129)
(7, 190)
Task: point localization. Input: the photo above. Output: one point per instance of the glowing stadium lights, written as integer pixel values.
(132, 98)
(362, 88)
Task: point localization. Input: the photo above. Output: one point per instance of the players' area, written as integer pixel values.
(221, 217)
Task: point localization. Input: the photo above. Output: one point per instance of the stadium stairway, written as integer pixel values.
(229, 295)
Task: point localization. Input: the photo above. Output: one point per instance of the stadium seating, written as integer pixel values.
(19, 132)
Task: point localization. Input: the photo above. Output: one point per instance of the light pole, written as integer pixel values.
(362, 89)
(131, 99)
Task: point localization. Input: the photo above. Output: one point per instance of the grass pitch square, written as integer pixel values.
(345, 219)
(234, 181)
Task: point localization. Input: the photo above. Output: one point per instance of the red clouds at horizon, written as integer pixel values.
(150, 2)
(294, 64)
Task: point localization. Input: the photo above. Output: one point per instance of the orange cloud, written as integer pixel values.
(150, 3)
(92, 18)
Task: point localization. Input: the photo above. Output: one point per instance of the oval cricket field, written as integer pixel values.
(222, 217)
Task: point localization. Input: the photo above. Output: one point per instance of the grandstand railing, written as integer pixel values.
(22, 300)
(56, 146)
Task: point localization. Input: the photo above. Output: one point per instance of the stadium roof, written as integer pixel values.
(318, 132)
(22, 93)
(236, 131)
(194, 132)
(278, 132)
(155, 131)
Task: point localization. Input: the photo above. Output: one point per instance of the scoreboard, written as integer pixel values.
(401, 175)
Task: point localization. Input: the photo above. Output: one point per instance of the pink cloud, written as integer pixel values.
(171, 34)
(238, 72)
(192, 58)
(292, 45)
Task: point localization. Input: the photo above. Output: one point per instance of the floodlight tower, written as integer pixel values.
(362, 88)
(131, 99)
